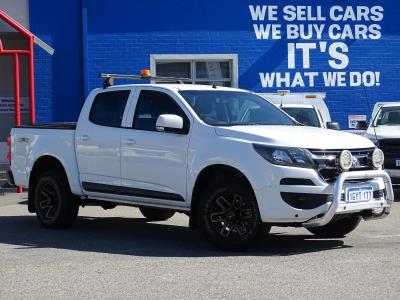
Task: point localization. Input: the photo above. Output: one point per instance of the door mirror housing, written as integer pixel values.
(170, 123)
(333, 125)
(362, 125)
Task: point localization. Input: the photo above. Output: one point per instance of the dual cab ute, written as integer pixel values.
(233, 162)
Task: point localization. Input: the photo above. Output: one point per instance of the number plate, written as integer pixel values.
(359, 194)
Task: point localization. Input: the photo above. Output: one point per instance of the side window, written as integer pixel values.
(108, 108)
(152, 104)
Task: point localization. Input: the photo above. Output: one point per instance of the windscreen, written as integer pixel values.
(388, 116)
(226, 108)
(306, 116)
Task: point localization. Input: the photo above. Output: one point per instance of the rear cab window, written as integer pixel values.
(108, 108)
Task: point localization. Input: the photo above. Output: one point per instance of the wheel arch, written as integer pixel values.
(42, 164)
(213, 173)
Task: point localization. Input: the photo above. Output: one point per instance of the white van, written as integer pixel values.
(307, 108)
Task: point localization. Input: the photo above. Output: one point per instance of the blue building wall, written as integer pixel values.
(119, 36)
(58, 78)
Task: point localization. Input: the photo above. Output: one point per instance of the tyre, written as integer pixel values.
(56, 207)
(155, 214)
(228, 216)
(338, 227)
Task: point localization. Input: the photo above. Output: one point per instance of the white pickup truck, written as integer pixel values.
(384, 131)
(233, 162)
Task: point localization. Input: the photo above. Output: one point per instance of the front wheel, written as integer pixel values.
(228, 215)
(56, 207)
(338, 227)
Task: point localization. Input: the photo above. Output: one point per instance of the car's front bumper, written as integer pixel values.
(338, 206)
(277, 210)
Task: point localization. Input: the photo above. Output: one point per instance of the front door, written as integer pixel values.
(154, 164)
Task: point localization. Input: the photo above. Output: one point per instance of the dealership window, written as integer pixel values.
(218, 69)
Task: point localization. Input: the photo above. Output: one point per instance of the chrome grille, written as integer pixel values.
(327, 162)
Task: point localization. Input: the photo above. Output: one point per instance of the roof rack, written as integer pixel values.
(144, 75)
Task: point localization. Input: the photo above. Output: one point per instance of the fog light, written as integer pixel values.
(377, 211)
(345, 160)
(377, 158)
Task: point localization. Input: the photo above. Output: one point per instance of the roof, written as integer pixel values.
(179, 87)
(19, 28)
(318, 94)
(296, 105)
(387, 104)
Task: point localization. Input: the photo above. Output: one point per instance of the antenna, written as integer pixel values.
(369, 108)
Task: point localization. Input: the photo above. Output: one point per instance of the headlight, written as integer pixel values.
(293, 157)
(377, 158)
(345, 160)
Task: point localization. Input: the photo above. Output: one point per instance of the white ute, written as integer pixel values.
(233, 162)
(384, 131)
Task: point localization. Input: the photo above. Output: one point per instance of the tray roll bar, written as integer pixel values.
(109, 78)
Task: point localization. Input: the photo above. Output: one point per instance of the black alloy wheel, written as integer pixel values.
(56, 207)
(231, 215)
(48, 202)
(228, 215)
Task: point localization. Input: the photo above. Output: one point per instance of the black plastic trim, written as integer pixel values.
(63, 126)
(297, 181)
(303, 200)
(126, 191)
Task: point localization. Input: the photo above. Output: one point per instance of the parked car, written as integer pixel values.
(384, 131)
(233, 162)
(307, 108)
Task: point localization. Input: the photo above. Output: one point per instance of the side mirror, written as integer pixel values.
(333, 125)
(169, 123)
(362, 125)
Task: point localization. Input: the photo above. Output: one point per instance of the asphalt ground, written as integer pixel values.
(116, 254)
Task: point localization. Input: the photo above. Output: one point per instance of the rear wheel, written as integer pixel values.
(228, 215)
(56, 207)
(338, 227)
(155, 214)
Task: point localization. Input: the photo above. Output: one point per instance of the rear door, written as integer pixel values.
(98, 140)
(154, 164)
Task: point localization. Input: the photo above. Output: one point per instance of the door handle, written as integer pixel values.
(130, 142)
(85, 138)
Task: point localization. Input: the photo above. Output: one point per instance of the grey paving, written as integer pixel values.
(115, 254)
